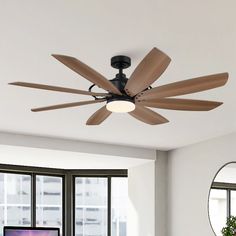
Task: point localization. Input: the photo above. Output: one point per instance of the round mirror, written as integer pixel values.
(222, 201)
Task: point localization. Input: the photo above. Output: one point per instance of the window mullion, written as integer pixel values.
(69, 205)
(64, 222)
(228, 202)
(33, 200)
(109, 207)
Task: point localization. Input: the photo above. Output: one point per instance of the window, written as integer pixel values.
(233, 202)
(100, 206)
(30, 200)
(15, 200)
(91, 206)
(119, 198)
(49, 201)
(79, 202)
(222, 204)
(218, 209)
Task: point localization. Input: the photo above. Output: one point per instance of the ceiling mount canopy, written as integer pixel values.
(135, 94)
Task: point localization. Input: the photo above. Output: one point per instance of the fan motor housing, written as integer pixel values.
(120, 81)
(118, 98)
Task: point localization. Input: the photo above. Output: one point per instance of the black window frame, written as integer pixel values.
(68, 189)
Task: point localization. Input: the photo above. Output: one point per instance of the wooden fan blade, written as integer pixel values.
(87, 72)
(57, 89)
(149, 70)
(181, 104)
(67, 105)
(185, 87)
(148, 116)
(99, 116)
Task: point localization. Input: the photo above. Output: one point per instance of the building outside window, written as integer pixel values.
(91, 206)
(119, 204)
(49, 198)
(15, 200)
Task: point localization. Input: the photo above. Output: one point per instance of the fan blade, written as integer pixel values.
(185, 87)
(98, 117)
(148, 70)
(66, 105)
(181, 104)
(87, 72)
(147, 115)
(57, 89)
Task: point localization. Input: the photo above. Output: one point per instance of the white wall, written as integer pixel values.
(190, 173)
(141, 214)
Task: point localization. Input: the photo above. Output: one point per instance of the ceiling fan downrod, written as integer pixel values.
(120, 62)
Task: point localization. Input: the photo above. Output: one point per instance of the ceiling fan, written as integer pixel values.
(135, 94)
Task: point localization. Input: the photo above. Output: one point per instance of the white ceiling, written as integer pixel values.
(199, 36)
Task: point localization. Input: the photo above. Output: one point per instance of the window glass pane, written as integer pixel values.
(1, 188)
(49, 201)
(218, 209)
(119, 201)
(2, 213)
(15, 200)
(91, 206)
(233, 203)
